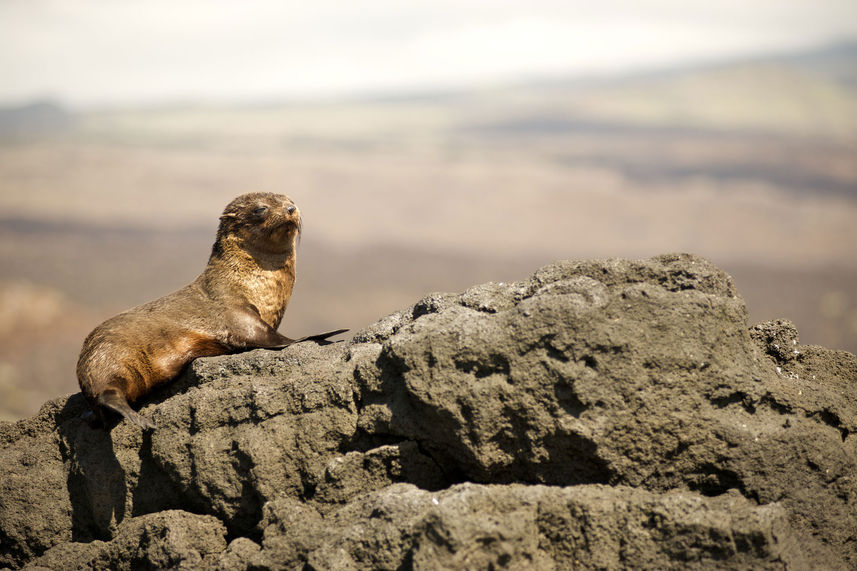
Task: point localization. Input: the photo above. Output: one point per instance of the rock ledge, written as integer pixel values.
(603, 414)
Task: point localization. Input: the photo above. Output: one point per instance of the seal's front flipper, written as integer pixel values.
(322, 338)
(247, 330)
(116, 402)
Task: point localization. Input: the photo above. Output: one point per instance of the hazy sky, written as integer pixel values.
(93, 52)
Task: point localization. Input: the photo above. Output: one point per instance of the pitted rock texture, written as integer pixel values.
(471, 526)
(601, 415)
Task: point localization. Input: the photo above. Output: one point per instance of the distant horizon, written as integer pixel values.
(370, 94)
(90, 54)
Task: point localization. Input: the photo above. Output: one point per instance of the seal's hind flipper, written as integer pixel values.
(115, 401)
(322, 338)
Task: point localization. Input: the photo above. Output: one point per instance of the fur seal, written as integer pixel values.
(236, 304)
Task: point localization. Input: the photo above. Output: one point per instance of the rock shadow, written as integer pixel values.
(95, 478)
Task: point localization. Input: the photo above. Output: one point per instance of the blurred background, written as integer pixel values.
(431, 145)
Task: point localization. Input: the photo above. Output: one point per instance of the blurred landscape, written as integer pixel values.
(751, 163)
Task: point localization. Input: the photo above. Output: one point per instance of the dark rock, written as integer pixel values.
(257, 426)
(165, 540)
(472, 526)
(241, 553)
(609, 414)
(635, 373)
(356, 473)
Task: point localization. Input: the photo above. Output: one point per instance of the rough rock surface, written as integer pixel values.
(602, 414)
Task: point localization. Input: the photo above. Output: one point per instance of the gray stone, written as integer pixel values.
(606, 414)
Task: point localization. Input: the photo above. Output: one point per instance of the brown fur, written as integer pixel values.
(236, 303)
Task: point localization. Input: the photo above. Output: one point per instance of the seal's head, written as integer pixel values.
(260, 222)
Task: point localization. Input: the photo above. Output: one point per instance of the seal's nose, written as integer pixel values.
(290, 208)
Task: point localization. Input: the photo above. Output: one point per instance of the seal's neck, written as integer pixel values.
(264, 279)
